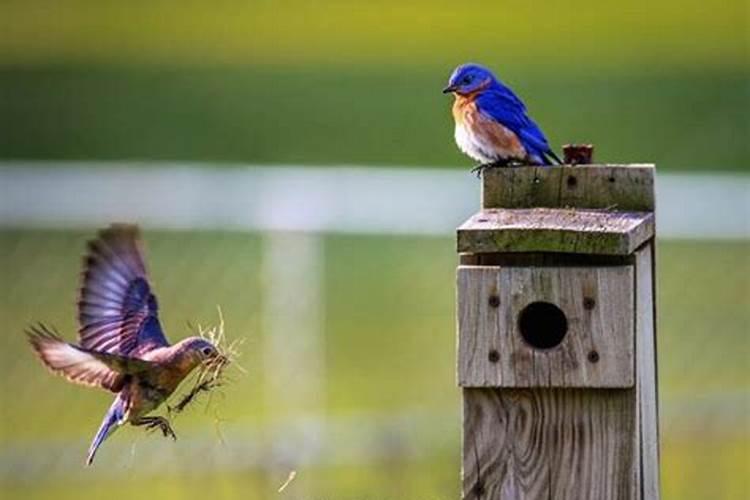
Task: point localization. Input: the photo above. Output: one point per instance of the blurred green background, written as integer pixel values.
(331, 83)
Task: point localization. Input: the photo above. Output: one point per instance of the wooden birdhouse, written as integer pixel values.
(556, 335)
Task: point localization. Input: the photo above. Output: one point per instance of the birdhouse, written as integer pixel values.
(556, 335)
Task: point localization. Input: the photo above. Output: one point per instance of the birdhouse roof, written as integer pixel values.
(563, 230)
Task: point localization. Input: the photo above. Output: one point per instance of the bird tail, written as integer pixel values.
(551, 154)
(109, 425)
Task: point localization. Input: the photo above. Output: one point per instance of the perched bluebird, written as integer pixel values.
(492, 126)
(121, 346)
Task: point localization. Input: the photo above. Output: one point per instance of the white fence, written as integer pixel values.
(337, 199)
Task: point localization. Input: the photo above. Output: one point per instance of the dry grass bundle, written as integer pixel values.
(211, 374)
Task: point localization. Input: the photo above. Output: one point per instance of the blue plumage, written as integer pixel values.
(492, 124)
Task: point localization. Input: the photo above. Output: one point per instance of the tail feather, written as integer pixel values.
(554, 157)
(112, 420)
(550, 158)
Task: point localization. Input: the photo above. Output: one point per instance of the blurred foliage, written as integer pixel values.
(388, 319)
(584, 34)
(358, 82)
(365, 117)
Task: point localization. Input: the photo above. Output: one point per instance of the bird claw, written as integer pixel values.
(479, 169)
(161, 423)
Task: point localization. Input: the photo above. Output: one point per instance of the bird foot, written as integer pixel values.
(479, 169)
(153, 422)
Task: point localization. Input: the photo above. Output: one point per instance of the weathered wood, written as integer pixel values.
(576, 419)
(597, 350)
(583, 231)
(561, 444)
(620, 187)
(645, 355)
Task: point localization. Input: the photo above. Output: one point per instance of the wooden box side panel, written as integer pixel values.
(620, 187)
(597, 350)
(646, 386)
(566, 444)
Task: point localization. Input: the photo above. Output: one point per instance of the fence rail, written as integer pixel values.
(417, 201)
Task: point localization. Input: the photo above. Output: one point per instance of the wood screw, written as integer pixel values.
(494, 301)
(493, 356)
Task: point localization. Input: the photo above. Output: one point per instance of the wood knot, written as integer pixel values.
(478, 489)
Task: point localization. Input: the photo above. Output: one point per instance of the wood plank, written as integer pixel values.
(583, 231)
(566, 444)
(492, 352)
(646, 386)
(623, 187)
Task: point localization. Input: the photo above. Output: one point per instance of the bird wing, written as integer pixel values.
(503, 106)
(117, 312)
(80, 365)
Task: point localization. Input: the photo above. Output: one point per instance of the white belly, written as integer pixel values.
(472, 145)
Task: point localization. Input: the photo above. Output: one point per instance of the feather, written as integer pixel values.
(82, 366)
(117, 312)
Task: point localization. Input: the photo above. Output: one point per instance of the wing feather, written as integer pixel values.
(82, 366)
(74, 364)
(117, 312)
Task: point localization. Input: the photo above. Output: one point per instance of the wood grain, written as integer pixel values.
(583, 231)
(648, 415)
(561, 444)
(606, 328)
(620, 187)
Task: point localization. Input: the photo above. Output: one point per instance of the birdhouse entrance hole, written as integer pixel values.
(543, 325)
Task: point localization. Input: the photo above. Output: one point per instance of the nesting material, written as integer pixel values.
(211, 374)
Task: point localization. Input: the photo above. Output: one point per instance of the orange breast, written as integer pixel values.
(488, 134)
(463, 109)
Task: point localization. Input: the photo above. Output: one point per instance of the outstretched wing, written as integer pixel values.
(81, 366)
(117, 311)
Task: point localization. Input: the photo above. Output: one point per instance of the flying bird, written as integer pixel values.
(121, 346)
(492, 125)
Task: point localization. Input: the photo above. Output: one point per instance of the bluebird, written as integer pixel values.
(121, 346)
(492, 126)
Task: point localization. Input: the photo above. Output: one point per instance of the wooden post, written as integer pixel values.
(556, 335)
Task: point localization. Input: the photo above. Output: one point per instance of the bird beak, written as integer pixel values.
(449, 89)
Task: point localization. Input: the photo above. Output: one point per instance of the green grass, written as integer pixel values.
(389, 327)
(682, 119)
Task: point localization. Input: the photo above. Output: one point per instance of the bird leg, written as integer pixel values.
(154, 422)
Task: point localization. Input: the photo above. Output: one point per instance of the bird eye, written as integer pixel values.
(468, 79)
(206, 351)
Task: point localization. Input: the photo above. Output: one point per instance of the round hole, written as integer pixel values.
(494, 301)
(542, 325)
(572, 181)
